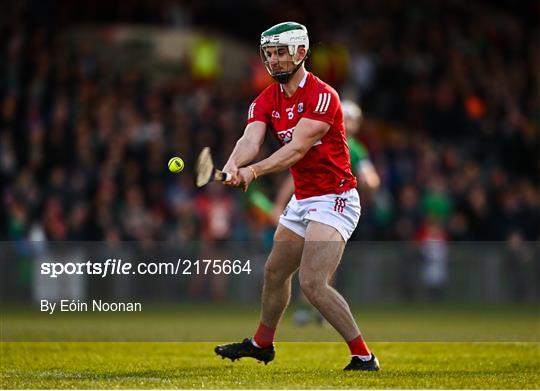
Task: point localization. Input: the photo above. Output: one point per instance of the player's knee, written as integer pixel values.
(311, 286)
(273, 275)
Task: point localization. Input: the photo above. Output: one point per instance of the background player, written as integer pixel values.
(305, 115)
(361, 163)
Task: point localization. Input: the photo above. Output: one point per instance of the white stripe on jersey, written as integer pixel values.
(327, 103)
(251, 110)
(324, 102)
(326, 98)
(319, 103)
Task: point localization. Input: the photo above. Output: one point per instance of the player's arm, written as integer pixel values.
(368, 175)
(247, 147)
(284, 194)
(306, 133)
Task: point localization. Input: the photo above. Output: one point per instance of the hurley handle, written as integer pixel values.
(223, 176)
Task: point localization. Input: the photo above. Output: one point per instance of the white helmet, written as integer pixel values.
(289, 34)
(351, 109)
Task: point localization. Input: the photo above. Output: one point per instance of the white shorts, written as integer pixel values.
(341, 211)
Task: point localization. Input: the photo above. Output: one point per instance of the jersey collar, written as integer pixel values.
(301, 84)
(303, 81)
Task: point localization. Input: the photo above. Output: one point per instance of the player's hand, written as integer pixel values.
(232, 169)
(246, 177)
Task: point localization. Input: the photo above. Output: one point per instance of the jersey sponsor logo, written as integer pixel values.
(285, 136)
(340, 204)
(323, 103)
(275, 114)
(251, 110)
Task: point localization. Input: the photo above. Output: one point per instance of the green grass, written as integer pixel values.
(419, 346)
(193, 365)
(443, 322)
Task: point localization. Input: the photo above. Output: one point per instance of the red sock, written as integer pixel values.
(264, 336)
(358, 347)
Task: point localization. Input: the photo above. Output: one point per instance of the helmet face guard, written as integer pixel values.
(288, 35)
(280, 69)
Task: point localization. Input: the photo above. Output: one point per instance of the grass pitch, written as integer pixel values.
(419, 347)
(193, 365)
(203, 322)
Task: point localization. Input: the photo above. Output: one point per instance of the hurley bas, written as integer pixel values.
(95, 306)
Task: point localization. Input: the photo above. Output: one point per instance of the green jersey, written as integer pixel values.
(357, 151)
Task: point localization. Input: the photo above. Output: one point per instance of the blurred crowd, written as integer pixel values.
(450, 93)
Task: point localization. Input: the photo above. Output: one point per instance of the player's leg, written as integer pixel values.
(283, 261)
(321, 256)
(322, 253)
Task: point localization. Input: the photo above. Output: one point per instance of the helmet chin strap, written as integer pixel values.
(284, 77)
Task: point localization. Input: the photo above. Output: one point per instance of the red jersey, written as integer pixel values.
(326, 167)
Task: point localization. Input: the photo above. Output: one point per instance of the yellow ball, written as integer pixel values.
(176, 164)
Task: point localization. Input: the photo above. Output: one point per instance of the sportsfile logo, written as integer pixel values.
(119, 267)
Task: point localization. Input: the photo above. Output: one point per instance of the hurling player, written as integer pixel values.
(304, 114)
